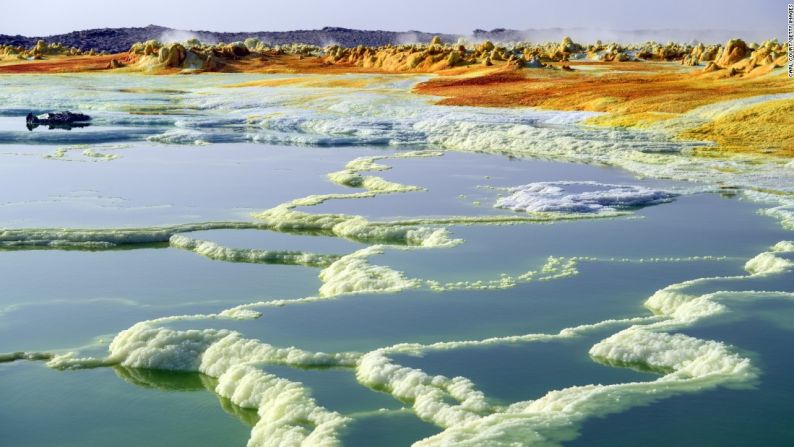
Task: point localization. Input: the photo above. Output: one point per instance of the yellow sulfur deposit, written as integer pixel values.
(764, 128)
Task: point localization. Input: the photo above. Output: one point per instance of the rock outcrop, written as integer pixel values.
(40, 50)
(734, 51)
(737, 58)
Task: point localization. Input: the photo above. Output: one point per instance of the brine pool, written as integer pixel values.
(215, 265)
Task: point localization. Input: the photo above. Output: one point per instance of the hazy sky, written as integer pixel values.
(44, 17)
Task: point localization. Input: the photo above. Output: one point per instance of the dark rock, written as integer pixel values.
(60, 120)
(117, 40)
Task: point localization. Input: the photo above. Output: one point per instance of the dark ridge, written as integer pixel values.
(116, 40)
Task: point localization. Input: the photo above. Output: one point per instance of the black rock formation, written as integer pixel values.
(116, 40)
(57, 120)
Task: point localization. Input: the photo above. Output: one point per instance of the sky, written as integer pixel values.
(46, 17)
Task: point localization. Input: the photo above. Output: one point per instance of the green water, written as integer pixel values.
(61, 298)
(42, 407)
(757, 416)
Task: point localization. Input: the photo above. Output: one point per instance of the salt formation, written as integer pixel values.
(354, 274)
(215, 251)
(687, 364)
(105, 238)
(290, 416)
(556, 197)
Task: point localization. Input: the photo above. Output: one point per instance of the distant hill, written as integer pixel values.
(116, 40)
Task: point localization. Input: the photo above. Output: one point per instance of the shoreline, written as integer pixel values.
(657, 95)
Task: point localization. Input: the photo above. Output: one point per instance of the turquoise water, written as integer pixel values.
(758, 416)
(44, 407)
(199, 305)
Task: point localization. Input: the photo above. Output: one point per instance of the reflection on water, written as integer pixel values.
(56, 126)
(184, 381)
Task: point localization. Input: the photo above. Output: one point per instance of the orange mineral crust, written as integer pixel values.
(622, 88)
(640, 99)
(641, 86)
